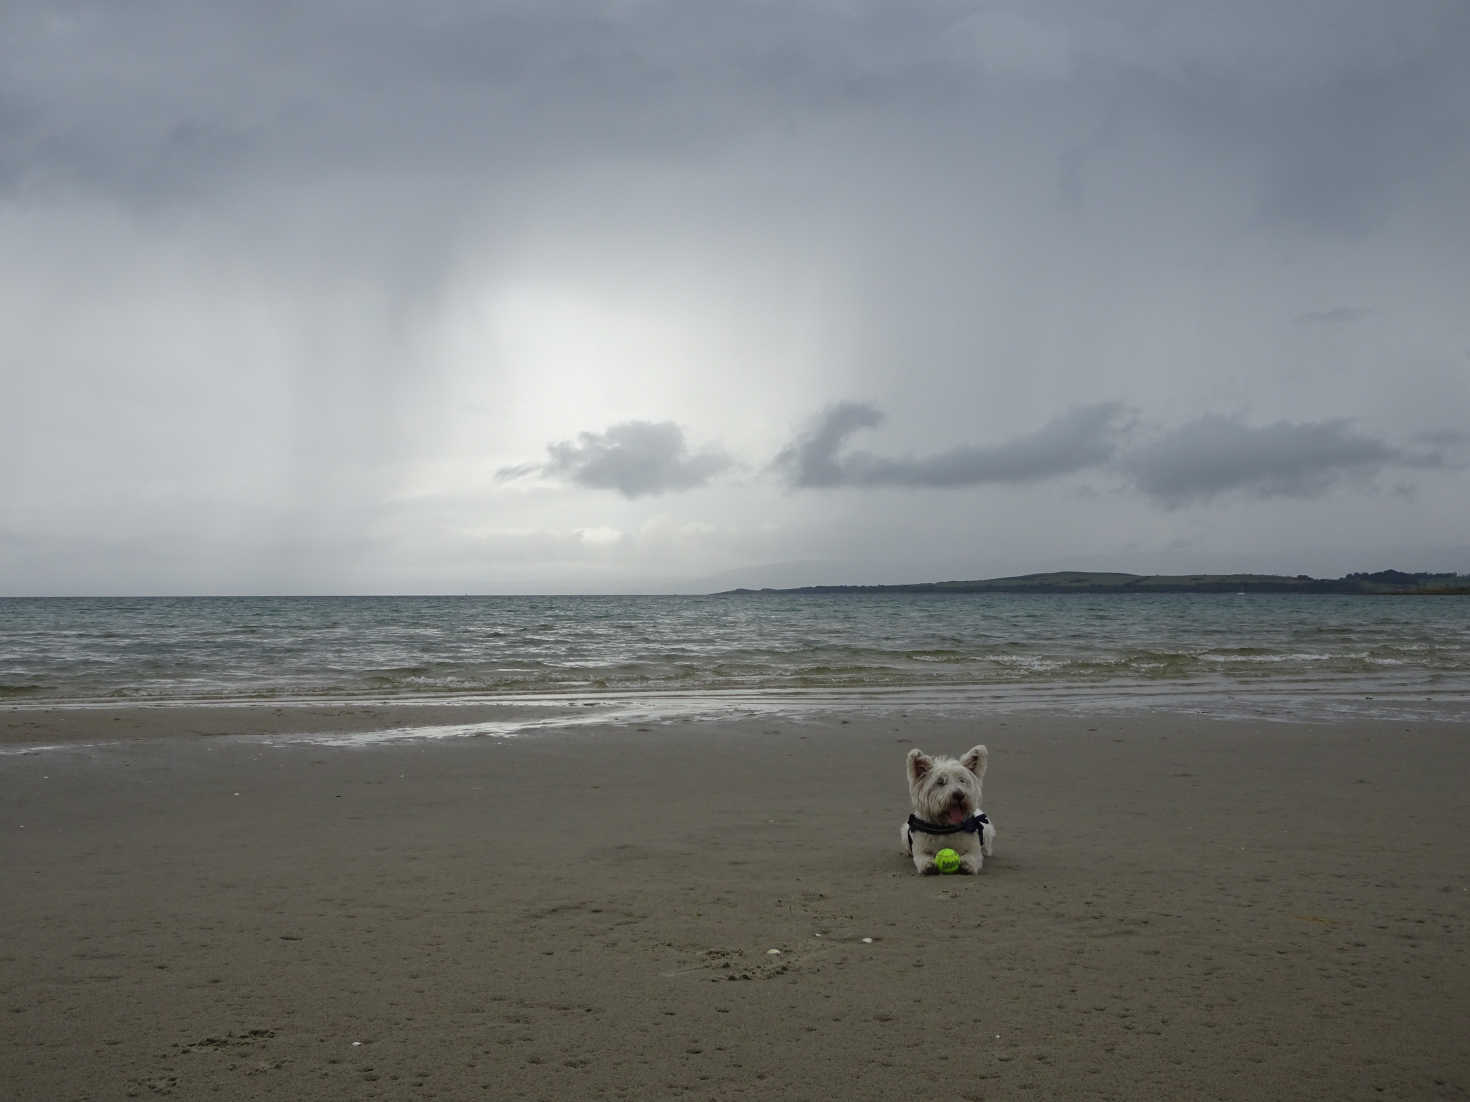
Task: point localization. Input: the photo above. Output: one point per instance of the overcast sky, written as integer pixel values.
(672, 296)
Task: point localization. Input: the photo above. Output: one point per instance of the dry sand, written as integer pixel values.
(1178, 908)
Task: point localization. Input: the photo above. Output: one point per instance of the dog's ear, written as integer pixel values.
(975, 760)
(919, 764)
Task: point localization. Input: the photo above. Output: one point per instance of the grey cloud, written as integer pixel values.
(811, 461)
(1340, 315)
(1330, 129)
(1339, 154)
(102, 96)
(1215, 455)
(1085, 437)
(634, 458)
(1444, 438)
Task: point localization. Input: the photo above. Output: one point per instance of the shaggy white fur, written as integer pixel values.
(945, 792)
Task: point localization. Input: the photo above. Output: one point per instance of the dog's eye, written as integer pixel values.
(941, 782)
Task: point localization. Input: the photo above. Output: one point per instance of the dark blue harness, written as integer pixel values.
(975, 824)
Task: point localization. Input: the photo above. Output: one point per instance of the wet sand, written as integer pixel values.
(1177, 907)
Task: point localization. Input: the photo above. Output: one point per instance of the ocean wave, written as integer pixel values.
(269, 648)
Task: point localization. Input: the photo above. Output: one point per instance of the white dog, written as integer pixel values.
(947, 815)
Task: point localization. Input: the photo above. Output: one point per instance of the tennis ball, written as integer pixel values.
(947, 860)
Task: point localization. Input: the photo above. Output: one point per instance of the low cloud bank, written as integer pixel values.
(1196, 462)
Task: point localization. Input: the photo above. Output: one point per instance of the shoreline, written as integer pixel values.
(1177, 907)
(37, 726)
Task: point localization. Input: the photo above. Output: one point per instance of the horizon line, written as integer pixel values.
(259, 595)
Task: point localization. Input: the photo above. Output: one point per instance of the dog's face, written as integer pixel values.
(944, 790)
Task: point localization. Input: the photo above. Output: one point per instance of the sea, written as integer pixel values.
(1266, 657)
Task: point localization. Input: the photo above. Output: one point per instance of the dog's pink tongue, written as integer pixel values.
(956, 815)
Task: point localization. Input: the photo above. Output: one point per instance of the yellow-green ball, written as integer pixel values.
(947, 860)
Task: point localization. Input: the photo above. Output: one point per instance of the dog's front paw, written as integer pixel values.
(924, 865)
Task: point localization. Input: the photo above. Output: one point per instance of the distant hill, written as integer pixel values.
(1387, 582)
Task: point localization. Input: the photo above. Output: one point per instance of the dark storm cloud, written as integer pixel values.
(1216, 455)
(634, 458)
(1084, 437)
(160, 98)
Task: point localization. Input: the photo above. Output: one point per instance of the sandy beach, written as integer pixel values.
(1177, 908)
